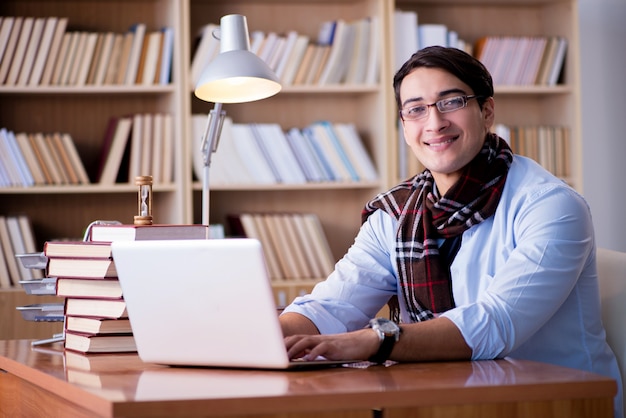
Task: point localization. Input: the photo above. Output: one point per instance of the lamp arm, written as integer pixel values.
(210, 140)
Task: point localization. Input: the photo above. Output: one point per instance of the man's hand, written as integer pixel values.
(356, 345)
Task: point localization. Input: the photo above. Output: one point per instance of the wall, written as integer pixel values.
(603, 70)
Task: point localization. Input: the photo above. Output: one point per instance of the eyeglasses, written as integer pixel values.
(447, 105)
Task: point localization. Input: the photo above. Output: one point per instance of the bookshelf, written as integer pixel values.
(63, 211)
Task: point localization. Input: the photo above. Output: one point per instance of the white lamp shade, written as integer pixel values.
(236, 75)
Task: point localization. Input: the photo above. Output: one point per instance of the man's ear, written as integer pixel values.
(488, 111)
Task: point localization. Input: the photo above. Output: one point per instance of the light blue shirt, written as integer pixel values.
(524, 281)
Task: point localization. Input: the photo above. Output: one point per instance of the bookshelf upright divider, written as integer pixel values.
(59, 211)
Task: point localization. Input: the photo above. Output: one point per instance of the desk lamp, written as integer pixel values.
(235, 75)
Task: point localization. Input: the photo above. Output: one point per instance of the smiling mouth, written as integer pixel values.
(438, 144)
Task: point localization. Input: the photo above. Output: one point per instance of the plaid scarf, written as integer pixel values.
(423, 218)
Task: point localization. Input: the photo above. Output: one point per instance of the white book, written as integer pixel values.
(267, 48)
(372, 74)
(327, 171)
(432, 34)
(146, 145)
(5, 33)
(103, 58)
(295, 60)
(86, 58)
(9, 253)
(277, 52)
(61, 61)
(26, 175)
(29, 154)
(152, 56)
(77, 163)
(113, 64)
(52, 150)
(139, 30)
(257, 37)
(358, 61)
(18, 244)
(53, 54)
(79, 53)
(166, 56)
(30, 246)
(31, 51)
(406, 36)
(114, 157)
(287, 52)
(251, 154)
(336, 55)
(227, 161)
(20, 50)
(325, 146)
(136, 140)
(167, 168)
(208, 47)
(353, 144)
(157, 148)
(558, 62)
(9, 49)
(43, 52)
(338, 147)
(8, 160)
(338, 76)
(70, 58)
(266, 153)
(281, 153)
(305, 154)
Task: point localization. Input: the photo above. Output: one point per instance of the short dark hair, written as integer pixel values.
(453, 60)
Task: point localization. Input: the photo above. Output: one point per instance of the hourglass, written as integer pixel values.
(144, 200)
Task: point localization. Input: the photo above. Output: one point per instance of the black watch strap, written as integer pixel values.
(384, 351)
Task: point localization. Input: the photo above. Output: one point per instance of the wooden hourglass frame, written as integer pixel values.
(144, 200)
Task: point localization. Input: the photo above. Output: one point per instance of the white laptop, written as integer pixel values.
(202, 303)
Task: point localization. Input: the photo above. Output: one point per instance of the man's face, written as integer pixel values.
(444, 142)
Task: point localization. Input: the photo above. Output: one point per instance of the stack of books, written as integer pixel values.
(96, 319)
(95, 311)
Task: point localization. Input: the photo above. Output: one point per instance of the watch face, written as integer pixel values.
(386, 326)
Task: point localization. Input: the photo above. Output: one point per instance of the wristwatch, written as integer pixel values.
(388, 333)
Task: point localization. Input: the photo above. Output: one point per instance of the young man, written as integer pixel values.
(487, 254)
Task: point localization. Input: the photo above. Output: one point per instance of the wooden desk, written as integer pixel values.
(45, 382)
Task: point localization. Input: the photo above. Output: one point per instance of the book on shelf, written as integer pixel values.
(166, 56)
(116, 137)
(77, 249)
(139, 32)
(406, 36)
(89, 343)
(276, 149)
(9, 50)
(206, 48)
(59, 65)
(57, 159)
(9, 254)
(86, 58)
(43, 48)
(5, 32)
(129, 232)
(249, 150)
(95, 60)
(77, 39)
(294, 244)
(93, 268)
(113, 63)
(106, 288)
(53, 54)
(20, 50)
(295, 59)
(357, 68)
(100, 308)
